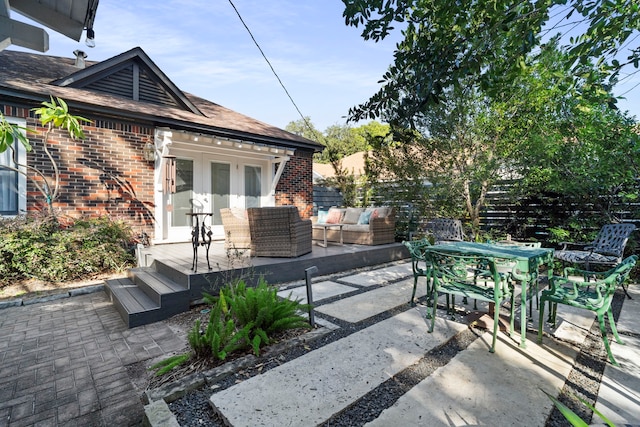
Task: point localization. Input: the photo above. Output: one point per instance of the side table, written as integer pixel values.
(324, 227)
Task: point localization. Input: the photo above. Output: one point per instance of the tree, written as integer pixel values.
(484, 44)
(305, 128)
(452, 158)
(53, 114)
(10, 133)
(539, 130)
(340, 141)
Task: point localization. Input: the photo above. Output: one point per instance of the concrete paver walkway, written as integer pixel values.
(619, 395)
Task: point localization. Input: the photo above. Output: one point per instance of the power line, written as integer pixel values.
(311, 129)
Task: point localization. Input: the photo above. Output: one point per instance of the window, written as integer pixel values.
(13, 185)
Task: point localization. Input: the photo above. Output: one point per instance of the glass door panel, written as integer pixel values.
(252, 186)
(220, 189)
(8, 185)
(182, 199)
(207, 182)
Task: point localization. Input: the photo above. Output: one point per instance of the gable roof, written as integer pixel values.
(133, 75)
(131, 86)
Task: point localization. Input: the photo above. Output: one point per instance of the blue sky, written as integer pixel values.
(205, 50)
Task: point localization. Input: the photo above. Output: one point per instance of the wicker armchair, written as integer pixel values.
(279, 232)
(236, 229)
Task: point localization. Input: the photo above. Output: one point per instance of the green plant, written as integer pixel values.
(10, 133)
(54, 114)
(222, 335)
(572, 417)
(36, 247)
(241, 318)
(263, 312)
(170, 363)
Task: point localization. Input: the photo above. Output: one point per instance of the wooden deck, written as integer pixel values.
(165, 284)
(175, 261)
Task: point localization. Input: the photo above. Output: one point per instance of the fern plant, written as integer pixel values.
(263, 312)
(168, 364)
(241, 317)
(221, 336)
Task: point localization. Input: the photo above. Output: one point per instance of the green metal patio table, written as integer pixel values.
(527, 260)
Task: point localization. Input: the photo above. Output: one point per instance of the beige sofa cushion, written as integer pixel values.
(356, 227)
(352, 215)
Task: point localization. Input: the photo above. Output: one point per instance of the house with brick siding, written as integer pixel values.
(152, 154)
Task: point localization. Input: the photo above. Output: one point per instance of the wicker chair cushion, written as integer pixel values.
(356, 227)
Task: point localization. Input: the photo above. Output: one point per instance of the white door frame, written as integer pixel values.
(203, 154)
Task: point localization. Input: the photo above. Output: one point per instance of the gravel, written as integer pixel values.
(194, 409)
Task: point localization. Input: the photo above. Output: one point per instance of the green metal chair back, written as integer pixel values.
(470, 276)
(595, 296)
(419, 264)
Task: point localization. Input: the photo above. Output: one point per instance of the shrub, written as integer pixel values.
(263, 312)
(221, 337)
(36, 248)
(241, 318)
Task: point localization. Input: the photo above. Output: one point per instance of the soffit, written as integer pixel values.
(67, 17)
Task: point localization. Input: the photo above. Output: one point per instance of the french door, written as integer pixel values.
(207, 183)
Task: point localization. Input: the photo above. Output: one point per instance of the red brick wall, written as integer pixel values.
(296, 184)
(104, 174)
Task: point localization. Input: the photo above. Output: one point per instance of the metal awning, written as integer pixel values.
(67, 17)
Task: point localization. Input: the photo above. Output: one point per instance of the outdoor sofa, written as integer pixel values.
(362, 226)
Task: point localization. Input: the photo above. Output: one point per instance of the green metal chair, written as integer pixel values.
(458, 275)
(595, 296)
(419, 264)
(534, 292)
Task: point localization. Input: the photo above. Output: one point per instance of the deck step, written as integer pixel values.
(146, 298)
(160, 288)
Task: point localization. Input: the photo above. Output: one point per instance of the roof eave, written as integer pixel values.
(161, 121)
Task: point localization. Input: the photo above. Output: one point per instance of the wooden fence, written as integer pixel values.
(528, 218)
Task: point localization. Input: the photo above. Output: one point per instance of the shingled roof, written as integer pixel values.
(130, 86)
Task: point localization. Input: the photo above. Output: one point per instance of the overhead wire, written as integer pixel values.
(304, 119)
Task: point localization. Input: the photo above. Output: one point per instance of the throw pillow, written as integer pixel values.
(382, 212)
(352, 215)
(334, 216)
(364, 217)
(239, 213)
(322, 217)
